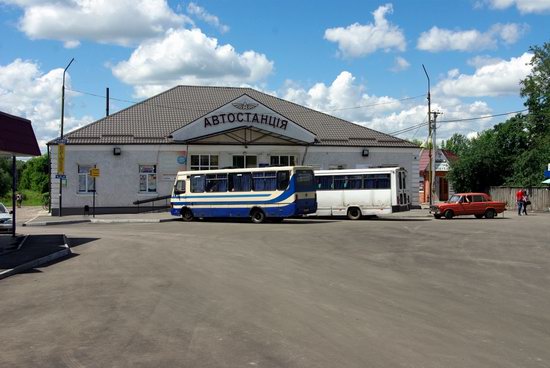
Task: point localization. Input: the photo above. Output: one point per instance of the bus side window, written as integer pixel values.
(340, 182)
(324, 182)
(283, 178)
(240, 182)
(197, 184)
(179, 188)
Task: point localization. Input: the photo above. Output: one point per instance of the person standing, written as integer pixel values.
(19, 199)
(526, 201)
(519, 200)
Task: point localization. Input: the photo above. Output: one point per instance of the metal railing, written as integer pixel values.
(153, 208)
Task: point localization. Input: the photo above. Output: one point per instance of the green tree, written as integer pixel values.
(35, 174)
(536, 89)
(516, 151)
(457, 144)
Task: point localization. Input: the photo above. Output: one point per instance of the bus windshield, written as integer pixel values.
(305, 181)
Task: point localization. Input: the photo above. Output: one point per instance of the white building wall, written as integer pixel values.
(118, 184)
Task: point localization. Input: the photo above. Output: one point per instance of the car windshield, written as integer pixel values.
(454, 199)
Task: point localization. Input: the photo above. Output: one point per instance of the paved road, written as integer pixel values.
(394, 293)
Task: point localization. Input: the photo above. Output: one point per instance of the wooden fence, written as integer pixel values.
(539, 197)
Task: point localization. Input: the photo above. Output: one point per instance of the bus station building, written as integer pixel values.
(139, 150)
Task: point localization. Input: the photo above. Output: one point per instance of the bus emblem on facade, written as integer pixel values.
(244, 105)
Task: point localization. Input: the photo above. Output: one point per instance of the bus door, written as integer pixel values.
(403, 197)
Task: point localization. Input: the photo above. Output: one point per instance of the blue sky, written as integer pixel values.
(358, 60)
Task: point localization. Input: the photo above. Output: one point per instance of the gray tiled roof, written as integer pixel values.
(153, 120)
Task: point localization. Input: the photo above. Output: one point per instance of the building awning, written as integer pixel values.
(17, 138)
(547, 181)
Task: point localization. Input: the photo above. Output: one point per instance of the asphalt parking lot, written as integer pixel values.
(397, 292)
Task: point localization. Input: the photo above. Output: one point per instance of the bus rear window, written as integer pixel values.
(304, 181)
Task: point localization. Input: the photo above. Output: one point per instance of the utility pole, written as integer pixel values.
(61, 141)
(430, 146)
(434, 145)
(107, 103)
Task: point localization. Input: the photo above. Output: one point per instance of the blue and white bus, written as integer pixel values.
(256, 193)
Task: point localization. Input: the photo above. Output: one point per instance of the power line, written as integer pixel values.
(483, 117)
(418, 126)
(405, 130)
(378, 104)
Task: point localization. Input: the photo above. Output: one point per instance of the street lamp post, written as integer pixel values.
(62, 121)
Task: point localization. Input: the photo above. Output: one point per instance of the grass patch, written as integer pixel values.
(30, 198)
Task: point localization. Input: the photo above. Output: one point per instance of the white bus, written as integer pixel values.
(361, 192)
(256, 193)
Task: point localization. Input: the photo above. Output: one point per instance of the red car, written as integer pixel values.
(462, 204)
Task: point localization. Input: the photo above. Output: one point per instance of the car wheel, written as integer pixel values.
(478, 216)
(490, 214)
(354, 213)
(257, 216)
(187, 215)
(438, 216)
(449, 214)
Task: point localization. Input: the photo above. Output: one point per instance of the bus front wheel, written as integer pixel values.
(257, 216)
(187, 215)
(354, 213)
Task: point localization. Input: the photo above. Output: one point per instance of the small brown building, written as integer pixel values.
(443, 188)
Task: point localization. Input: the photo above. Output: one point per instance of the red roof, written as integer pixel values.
(425, 158)
(17, 136)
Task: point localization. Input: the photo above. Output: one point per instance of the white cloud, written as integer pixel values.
(347, 99)
(121, 22)
(438, 39)
(493, 79)
(28, 92)
(202, 14)
(524, 6)
(360, 40)
(482, 60)
(189, 57)
(400, 64)
(343, 98)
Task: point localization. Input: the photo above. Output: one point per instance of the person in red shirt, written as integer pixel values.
(519, 200)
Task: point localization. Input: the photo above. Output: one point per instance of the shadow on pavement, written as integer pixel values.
(76, 242)
(51, 263)
(289, 221)
(400, 219)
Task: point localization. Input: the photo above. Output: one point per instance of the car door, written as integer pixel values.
(466, 205)
(478, 204)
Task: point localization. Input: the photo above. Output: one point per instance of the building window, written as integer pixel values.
(85, 181)
(147, 178)
(241, 161)
(204, 162)
(284, 160)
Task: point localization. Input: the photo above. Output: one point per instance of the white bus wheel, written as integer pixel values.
(354, 213)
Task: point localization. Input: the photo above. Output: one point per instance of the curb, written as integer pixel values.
(98, 221)
(131, 221)
(39, 261)
(48, 223)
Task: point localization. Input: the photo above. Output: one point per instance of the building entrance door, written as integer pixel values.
(443, 189)
(242, 161)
